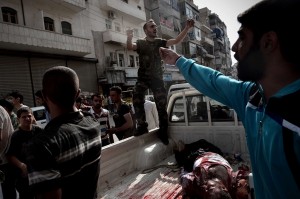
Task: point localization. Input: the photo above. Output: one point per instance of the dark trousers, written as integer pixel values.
(8, 185)
(160, 97)
(23, 188)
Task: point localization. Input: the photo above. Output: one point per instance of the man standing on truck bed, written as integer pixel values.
(150, 75)
(267, 98)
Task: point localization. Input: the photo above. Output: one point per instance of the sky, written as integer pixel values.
(227, 10)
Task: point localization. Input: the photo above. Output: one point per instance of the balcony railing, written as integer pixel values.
(76, 5)
(207, 41)
(114, 37)
(16, 37)
(110, 36)
(132, 12)
(131, 72)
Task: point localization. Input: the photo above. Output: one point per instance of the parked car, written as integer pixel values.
(39, 113)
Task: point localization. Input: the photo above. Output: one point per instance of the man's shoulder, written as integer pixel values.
(36, 128)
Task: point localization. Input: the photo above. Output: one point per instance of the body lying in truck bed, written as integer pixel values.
(189, 120)
(147, 179)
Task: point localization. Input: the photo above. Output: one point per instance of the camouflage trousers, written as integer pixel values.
(160, 97)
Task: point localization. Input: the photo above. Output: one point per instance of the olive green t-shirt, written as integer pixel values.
(149, 58)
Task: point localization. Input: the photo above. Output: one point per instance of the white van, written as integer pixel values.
(176, 87)
(39, 113)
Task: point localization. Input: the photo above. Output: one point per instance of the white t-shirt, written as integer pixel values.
(151, 114)
(6, 130)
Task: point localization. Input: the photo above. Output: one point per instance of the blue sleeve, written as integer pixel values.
(215, 85)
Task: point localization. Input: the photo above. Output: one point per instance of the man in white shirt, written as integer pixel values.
(6, 130)
(151, 115)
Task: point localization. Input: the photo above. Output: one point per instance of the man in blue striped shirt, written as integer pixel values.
(101, 115)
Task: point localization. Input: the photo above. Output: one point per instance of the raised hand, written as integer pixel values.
(168, 56)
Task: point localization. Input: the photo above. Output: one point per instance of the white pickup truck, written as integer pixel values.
(143, 167)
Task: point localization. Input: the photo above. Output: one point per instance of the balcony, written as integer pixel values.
(132, 12)
(131, 72)
(16, 37)
(206, 40)
(115, 67)
(75, 5)
(114, 37)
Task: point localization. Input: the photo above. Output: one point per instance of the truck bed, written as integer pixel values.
(161, 181)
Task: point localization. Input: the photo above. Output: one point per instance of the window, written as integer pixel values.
(197, 108)
(131, 61)
(117, 27)
(173, 47)
(9, 15)
(49, 23)
(108, 24)
(174, 4)
(121, 59)
(220, 112)
(66, 28)
(189, 13)
(177, 113)
(136, 32)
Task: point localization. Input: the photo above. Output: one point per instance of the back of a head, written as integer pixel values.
(7, 105)
(60, 86)
(17, 94)
(39, 94)
(279, 16)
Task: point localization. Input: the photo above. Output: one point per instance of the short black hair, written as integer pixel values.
(23, 110)
(7, 104)
(279, 16)
(118, 89)
(17, 94)
(39, 94)
(61, 86)
(145, 25)
(97, 95)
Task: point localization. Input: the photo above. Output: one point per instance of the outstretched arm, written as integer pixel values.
(130, 45)
(189, 24)
(168, 56)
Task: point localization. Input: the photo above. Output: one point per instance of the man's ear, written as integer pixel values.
(269, 41)
(77, 94)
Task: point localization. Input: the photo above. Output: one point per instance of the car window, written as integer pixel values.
(39, 114)
(177, 113)
(220, 112)
(197, 108)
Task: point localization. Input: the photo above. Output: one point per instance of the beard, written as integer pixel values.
(97, 106)
(252, 67)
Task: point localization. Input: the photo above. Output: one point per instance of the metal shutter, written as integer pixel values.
(87, 74)
(15, 75)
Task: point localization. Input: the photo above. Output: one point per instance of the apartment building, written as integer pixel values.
(38, 34)
(222, 47)
(89, 36)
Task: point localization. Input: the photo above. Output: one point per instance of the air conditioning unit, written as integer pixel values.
(111, 14)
